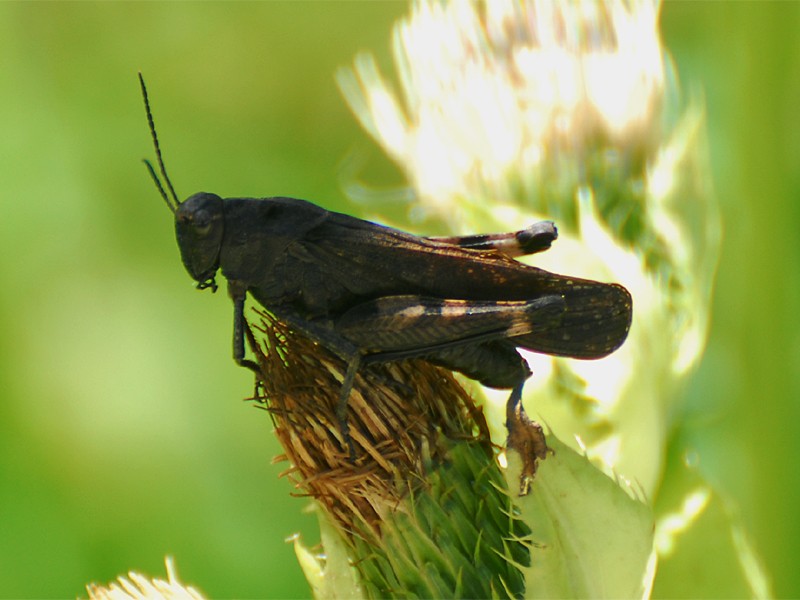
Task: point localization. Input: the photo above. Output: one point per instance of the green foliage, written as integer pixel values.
(458, 537)
(593, 537)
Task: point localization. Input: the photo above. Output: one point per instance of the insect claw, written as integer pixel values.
(344, 428)
(211, 282)
(526, 437)
(352, 449)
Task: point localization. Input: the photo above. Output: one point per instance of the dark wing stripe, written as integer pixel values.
(416, 324)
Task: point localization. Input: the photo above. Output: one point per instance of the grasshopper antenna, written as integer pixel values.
(173, 202)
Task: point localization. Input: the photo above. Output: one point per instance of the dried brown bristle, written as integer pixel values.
(397, 412)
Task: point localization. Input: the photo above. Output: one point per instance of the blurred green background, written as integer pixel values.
(123, 436)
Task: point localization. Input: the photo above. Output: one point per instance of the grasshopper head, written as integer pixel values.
(199, 220)
(199, 225)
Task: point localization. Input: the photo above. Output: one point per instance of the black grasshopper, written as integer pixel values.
(371, 293)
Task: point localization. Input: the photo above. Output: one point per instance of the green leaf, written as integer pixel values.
(331, 575)
(591, 537)
(695, 523)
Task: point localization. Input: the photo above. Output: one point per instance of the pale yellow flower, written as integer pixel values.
(139, 587)
(510, 112)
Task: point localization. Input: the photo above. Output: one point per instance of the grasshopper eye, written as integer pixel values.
(201, 221)
(199, 213)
